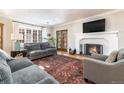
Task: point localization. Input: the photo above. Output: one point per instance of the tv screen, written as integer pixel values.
(94, 26)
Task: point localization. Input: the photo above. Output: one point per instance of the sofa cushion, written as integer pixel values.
(31, 47)
(120, 54)
(5, 73)
(45, 45)
(112, 57)
(5, 56)
(18, 64)
(36, 52)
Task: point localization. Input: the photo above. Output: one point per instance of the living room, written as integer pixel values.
(56, 47)
(61, 46)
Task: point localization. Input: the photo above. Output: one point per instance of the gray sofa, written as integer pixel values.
(39, 50)
(95, 69)
(22, 71)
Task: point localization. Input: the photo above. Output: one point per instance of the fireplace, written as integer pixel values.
(93, 48)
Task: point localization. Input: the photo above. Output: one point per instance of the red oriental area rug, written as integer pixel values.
(64, 69)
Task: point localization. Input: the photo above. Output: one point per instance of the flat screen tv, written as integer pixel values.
(94, 26)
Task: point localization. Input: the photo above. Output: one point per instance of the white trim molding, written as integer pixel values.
(95, 16)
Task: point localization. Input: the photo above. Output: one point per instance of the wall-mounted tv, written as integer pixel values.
(94, 26)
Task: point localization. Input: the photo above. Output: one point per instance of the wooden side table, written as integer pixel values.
(16, 53)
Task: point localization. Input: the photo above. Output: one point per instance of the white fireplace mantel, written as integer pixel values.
(102, 33)
(99, 35)
(108, 39)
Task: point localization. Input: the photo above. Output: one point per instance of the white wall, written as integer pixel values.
(114, 22)
(7, 30)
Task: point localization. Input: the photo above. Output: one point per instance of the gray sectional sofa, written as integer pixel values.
(22, 71)
(39, 50)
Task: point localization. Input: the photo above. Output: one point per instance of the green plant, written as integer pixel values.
(52, 41)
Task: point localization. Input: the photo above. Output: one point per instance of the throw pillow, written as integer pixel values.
(5, 56)
(112, 57)
(120, 54)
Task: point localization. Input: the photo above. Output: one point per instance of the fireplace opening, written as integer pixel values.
(93, 48)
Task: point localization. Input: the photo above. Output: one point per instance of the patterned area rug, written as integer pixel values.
(65, 69)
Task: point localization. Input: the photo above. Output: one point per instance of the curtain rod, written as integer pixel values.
(27, 23)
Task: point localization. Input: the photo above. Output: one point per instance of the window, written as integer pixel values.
(31, 34)
(39, 35)
(28, 36)
(21, 31)
(35, 36)
(44, 35)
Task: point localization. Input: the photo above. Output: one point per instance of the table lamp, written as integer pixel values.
(16, 37)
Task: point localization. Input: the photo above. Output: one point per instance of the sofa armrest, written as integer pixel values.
(5, 73)
(99, 56)
(31, 75)
(95, 61)
(52, 47)
(27, 50)
(18, 64)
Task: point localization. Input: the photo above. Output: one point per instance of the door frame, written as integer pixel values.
(61, 41)
(1, 26)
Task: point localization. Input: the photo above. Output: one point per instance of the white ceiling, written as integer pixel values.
(50, 17)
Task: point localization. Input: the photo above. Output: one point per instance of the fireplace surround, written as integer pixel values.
(108, 40)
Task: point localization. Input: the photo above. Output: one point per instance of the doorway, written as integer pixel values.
(1, 35)
(62, 37)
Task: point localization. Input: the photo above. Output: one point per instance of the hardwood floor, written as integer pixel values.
(81, 57)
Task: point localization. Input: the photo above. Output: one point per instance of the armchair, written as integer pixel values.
(97, 70)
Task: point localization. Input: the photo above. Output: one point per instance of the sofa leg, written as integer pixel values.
(88, 81)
